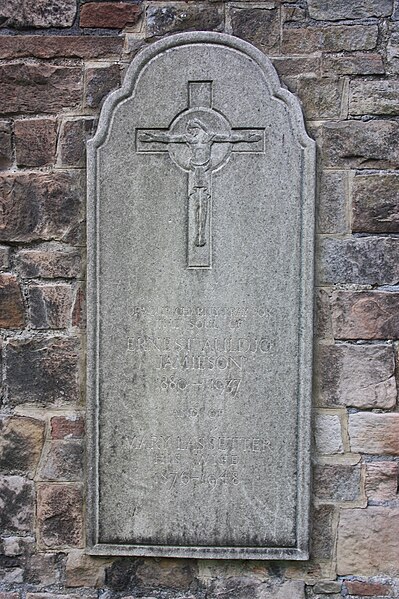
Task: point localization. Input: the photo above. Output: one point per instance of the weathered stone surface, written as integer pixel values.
(63, 461)
(323, 321)
(15, 546)
(42, 371)
(4, 257)
(332, 209)
(6, 156)
(246, 587)
(60, 515)
(11, 303)
(109, 15)
(357, 63)
(382, 480)
(37, 13)
(31, 88)
(364, 260)
(42, 569)
(374, 433)
(82, 570)
(337, 10)
(336, 483)
(260, 26)
(320, 97)
(328, 434)
(367, 589)
(365, 315)
(67, 427)
(374, 97)
(328, 586)
(39, 206)
(72, 145)
(358, 144)
(166, 572)
(50, 262)
(194, 284)
(59, 46)
(21, 443)
(297, 65)
(183, 17)
(323, 533)
(329, 39)
(375, 203)
(16, 504)
(50, 306)
(360, 533)
(356, 376)
(35, 141)
(99, 82)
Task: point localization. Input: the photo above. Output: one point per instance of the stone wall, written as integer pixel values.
(58, 60)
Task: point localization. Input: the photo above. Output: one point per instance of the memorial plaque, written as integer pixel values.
(201, 209)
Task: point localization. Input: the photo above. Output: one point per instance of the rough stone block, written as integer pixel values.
(328, 434)
(21, 444)
(356, 376)
(35, 141)
(375, 203)
(358, 144)
(59, 46)
(37, 13)
(172, 18)
(292, 66)
(321, 98)
(41, 206)
(4, 257)
(109, 15)
(163, 572)
(42, 569)
(374, 433)
(323, 533)
(49, 262)
(382, 480)
(42, 371)
(16, 504)
(365, 315)
(85, 571)
(332, 205)
(336, 482)
(99, 82)
(367, 589)
(329, 39)
(67, 427)
(32, 88)
(50, 306)
(364, 260)
(374, 97)
(72, 143)
(336, 10)
(6, 156)
(328, 586)
(260, 26)
(63, 461)
(358, 63)
(59, 515)
(11, 303)
(368, 541)
(323, 322)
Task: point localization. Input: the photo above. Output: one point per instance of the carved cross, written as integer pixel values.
(200, 141)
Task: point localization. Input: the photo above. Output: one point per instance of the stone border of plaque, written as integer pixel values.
(300, 551)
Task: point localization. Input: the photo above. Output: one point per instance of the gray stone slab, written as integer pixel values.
(200, 228)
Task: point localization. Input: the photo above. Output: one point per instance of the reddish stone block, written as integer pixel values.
(37, 13)
(367, 589)
(21, 444)
(358, 63)
(72, 144)
(377, 434)
(329, 39)
(59, 46)
(79, 309)
(31, 88)
(109, 15)
(67, 427)
(16, 504)
(39, 206)
(382, 480)
(365, 315)
(99, 82)
(259, 26)
(9, 595)
(42, 371)
(6, 157)
(50, 306)
(11, 304)
(375, 203)
(60, 515)
(48, 263)
(35, 142)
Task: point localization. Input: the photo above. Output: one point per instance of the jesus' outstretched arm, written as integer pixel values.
(236, 136)
(161, 137)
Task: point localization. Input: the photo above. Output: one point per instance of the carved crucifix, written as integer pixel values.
(200, 141)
